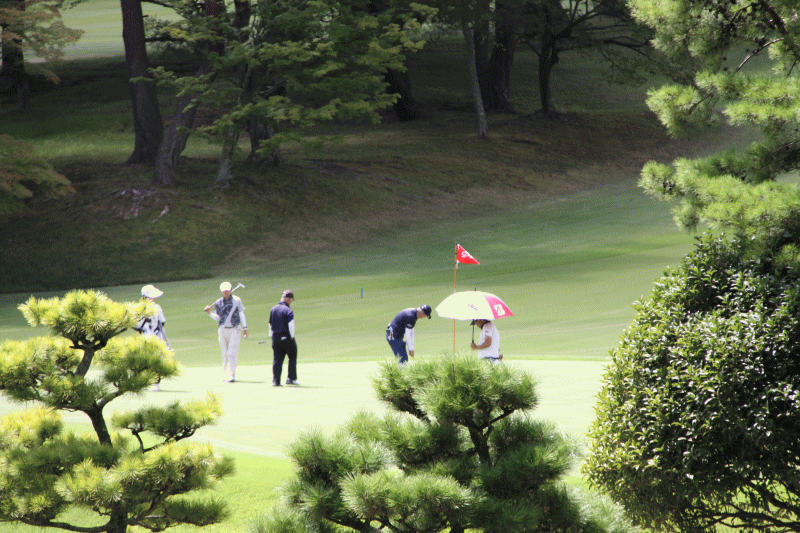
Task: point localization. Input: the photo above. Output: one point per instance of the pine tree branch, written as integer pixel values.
(65, 526)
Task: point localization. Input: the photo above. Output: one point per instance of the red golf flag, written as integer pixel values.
(463, 256)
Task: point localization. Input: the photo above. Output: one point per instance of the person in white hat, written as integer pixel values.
(228, 311)
(153, 325)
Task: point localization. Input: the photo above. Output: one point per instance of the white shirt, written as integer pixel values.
(409, 338)
(493, 350)
(154, 325)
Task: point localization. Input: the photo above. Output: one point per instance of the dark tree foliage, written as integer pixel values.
(24, 175)
(277, 67)
(551, 27)
(30, 27)
(699, 416)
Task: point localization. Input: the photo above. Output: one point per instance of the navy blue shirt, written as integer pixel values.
(406, 318)
(279, 318)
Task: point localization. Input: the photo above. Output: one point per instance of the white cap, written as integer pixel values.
(225, 286)
(151, 292)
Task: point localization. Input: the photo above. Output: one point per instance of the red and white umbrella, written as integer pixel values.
(473, 305)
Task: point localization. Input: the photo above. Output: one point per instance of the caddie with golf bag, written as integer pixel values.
(153, 325)
(228, 311)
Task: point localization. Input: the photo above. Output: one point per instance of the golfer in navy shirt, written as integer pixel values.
(281, 328)
(400, 332)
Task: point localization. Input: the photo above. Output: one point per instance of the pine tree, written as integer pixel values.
(459, 453)
(46, 470)
(745, 54)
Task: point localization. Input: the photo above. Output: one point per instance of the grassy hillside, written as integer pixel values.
(376, 181)
(549, 207)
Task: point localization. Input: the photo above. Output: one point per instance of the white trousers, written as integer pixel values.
(229, 345)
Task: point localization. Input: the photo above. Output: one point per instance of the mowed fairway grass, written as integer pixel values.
(569, 267)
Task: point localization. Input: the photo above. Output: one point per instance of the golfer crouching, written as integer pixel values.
(400, 331)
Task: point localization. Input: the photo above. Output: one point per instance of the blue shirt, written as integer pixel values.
(406, 318)
(279, 318)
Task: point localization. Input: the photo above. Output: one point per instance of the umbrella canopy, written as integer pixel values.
(473, 305)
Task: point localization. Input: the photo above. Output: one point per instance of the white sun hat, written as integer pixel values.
(151, 292)
(225, 286)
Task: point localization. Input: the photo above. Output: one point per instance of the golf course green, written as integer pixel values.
(569, 267)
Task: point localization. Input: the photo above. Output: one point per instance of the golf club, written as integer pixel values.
(233, 289)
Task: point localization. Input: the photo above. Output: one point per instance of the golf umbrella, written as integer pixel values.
(472, 305)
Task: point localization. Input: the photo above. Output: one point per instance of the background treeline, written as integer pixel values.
(257, 125)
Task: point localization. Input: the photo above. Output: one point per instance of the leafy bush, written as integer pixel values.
(22, 173)
(699, 414)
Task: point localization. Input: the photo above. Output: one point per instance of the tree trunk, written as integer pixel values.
(242, 13)
(99, 426)
(224, 174)
(88, 357)
(405, 108)
(117, 517)
(13, 73)
(147, 123)
(547, 60)
(480, 442)
(499, 71)
(14, 77)
(176, 134)
(259, 130)
(480, 38)
(474, 81)
(118, 520)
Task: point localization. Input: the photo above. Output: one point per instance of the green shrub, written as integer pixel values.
(698, 417)
(22, 173)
